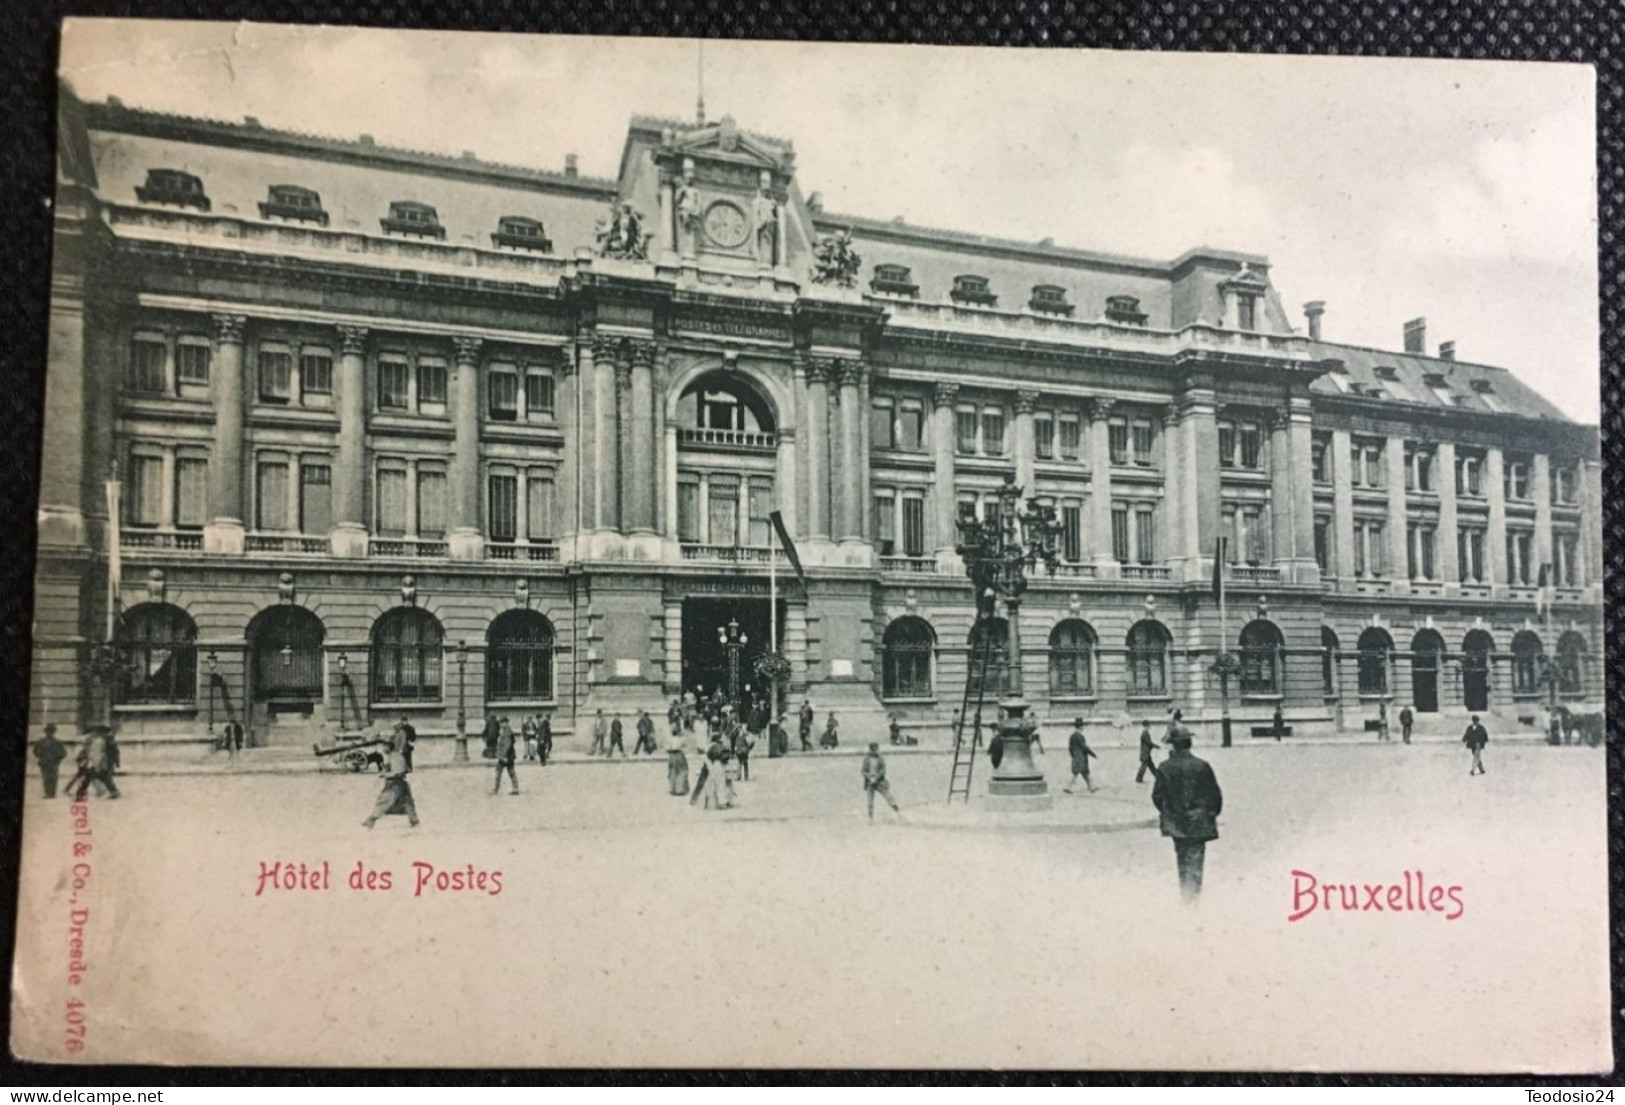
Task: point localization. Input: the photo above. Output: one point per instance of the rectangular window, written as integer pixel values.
(192, 361)
(910, 427)
(1563, 484)
(1425, 538)
(431, 385)
(146, 371)
(965, 431)
(1323, 544)
(315, 372)
(1144, 436)
(724, 512)
(502, 392)
(1120, 534)
(191, 492)
(1377, 555)
(1117, 441)
(390, 509)
(144, 499)
(758, 507)
(1470, 554)
(1246, 312)
(1145, 535)
(913, 525)
(1044, 437)
(276, 376)
(1071, 532)
(431, 503)
(993, 432)
(1321, 470)
(1410, 470)
(881, 425)
(1070, 438)
(688, 511)
(392, 386)
(1568, 553)
(502, 507)
(538, 394)
(271, 499)
(1251, 445)
(1373, 466)
(539, 507)
(1257, 539)
(1227, 445)
(315, 497)
(966, 505)
(885, 523)
(1469, 477)
(1357, 465)
(1362, 540)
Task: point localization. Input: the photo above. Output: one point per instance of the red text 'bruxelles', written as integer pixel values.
(1413, 893)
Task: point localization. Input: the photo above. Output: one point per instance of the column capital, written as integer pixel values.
(1169, 414)
(944, 395)
(1099, 408)
(467, 349)
(819, 370)
(228, 329)
(643, 352)
(352, 341)
(1027, 401)
(1277, 419)
(564, 361)
(850, 372)
(606, 347)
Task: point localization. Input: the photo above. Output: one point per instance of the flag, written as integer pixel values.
(115, 561)
(789, 546)
(1543, 597)
(1218, 569)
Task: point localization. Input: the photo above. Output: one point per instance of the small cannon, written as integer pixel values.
(354, 753)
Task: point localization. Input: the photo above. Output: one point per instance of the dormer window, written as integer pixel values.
(289, 201)
(174, 187)
(1050, 299)
(1486, 394)
(1124, 309)
(1440, 388)
(1386, 372)
(972, 289)
(417, 219)
(521, 232)
(893, 280)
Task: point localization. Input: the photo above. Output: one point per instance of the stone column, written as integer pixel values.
(1541, 474)
(1282, 551)
(1343, 506)
(943, 397)
(664, 470)
(1591, 528)
(606, 420)
(565, 401)
(845, 464)
(864, 474)
(225, 530)
(1301, 439)
(1100, 490)
(586, 444)
(639, 475)
(1445, 550)
(349, 536)
(623, 497)
(785, 476)
(1393, 453)
(1172, 519)
(1495, 535)
(673, 682)
(466, 541)
(817, 446)
(1026, 444)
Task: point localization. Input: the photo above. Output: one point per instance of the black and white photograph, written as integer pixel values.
(565, 552)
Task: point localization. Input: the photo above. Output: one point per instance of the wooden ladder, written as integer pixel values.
(965, 749)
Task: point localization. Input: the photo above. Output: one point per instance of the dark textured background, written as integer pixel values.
(1528, 30)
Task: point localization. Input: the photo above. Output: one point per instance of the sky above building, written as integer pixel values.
(1459, 191)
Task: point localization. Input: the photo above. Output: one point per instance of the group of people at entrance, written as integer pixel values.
(97, 761)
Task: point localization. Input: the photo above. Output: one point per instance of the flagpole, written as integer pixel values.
(1224, 646)
(773, 622)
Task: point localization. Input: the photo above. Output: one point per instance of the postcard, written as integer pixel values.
(564, 552)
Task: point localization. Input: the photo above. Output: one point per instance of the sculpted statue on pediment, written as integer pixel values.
(621, 235)
(835, 261)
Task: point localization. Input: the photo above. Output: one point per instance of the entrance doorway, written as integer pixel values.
(705, 658)
(1475, 670)
(284, 664)
(1426, 648)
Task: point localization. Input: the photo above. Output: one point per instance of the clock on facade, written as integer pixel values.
(726, 225)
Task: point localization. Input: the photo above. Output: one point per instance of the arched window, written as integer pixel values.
(724, 401)
(1072, 659)
(519, 657)
(1147, 644)
(906, 668)
(1261, 645)
(1328, 662)
(993, 664)
(155, 645)
(1375, 645)
(406, 656)
(1528, 654)
(1571, 655)
(1476, 649)
(1427, 650)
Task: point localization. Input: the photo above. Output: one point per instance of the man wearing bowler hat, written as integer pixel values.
(1188, 798)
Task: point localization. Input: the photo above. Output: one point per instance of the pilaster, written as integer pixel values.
(1393, 455)
(224, 532)
(348, 538)
(465, 540)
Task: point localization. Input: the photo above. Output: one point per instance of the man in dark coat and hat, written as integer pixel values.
(50, 753)
(1188, 798)
(1078, 746)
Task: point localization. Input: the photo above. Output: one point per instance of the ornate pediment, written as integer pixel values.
(724, 141)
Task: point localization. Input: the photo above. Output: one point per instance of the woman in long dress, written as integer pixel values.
(676, 763)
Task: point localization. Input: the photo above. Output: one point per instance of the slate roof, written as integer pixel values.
(1405, 378)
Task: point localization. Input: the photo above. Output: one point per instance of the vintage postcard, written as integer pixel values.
(650, 553)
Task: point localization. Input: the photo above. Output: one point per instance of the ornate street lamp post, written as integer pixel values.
(460, 753)
(213, 663)
(997, 553)
(344, 687)
(734, 641)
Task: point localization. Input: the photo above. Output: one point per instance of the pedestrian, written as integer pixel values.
(1382, 720)
(1278, 724)
(1188, 802)
(615, 742)
(1175, 724)
(874, 780)
(489, 736)
(50, 753)
(544, 738)
(674, 716)
(1148, 749)
(94, 765)
(600, 734)
(832, 735)
(702, 754)
(396, 797)
(805, 720)
(1078, 746)
(1406, 720)
(234, 737)
(778, 741)
(506, 754)
(894, 730)
(1475, 739)
(1033, 738)
(409, 740)
(527, 729)
(744, 740)
(676, 764)
(718, 791)
(646, 735)
(113, 755)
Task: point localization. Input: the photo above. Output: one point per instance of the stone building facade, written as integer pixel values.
(337, 432)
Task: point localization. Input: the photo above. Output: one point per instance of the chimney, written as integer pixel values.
(569, 164)
(365, 140)
(1416, 335)
(815, 202)
(1447, 351)
(1312, 311)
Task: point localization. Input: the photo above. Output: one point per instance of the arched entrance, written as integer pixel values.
(1426, 648)
(284, 665)
(1476, 648)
